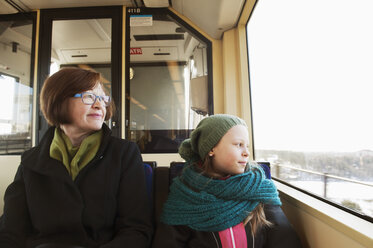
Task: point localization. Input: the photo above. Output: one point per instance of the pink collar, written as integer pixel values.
(234, 237)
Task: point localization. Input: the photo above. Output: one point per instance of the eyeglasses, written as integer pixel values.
(90, 98)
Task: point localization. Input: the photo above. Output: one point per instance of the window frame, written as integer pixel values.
(30, 16)
(47, 16)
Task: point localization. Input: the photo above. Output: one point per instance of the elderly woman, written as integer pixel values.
(80, 187)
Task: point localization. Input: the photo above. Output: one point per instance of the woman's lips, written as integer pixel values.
(95, 115)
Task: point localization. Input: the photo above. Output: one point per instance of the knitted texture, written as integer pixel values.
(207, 134)
(207, 204)
(74, 158)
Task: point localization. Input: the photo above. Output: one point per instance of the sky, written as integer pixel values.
(311, 72)
(9, 88)
(6, 97)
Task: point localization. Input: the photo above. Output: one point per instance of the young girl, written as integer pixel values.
(219, 200)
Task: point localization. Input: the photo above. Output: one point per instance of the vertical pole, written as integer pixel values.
(325, 176)
(277, 170)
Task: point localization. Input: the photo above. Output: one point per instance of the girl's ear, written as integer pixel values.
(211, 153)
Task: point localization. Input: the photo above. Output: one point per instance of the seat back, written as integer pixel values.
(266, 166)
(161, 189)
(152, 164)
(175, 170)
(149, 180)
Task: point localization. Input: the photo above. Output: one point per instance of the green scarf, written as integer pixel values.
(74, 158)
(207, 204)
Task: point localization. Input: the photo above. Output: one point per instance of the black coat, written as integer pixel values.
(280, 235)
(105, 206)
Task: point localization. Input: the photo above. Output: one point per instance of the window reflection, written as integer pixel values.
(167, 94)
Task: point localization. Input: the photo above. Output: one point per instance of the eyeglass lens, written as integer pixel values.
(89, 98)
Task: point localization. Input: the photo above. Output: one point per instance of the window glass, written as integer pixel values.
(90, 49)
(168, 88)
(311, 75)
(16, 90)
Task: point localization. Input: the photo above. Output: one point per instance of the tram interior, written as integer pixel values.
(151, 47)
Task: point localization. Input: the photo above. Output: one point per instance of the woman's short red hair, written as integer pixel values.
(62, 85)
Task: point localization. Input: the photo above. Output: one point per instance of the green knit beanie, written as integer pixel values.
(207, 134)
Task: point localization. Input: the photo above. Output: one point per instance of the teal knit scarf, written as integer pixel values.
(207, 204)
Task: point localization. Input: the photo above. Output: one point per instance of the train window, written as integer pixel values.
(89, 38)
(91, 51)
(167, 93)
(311, 76)
(16, 82)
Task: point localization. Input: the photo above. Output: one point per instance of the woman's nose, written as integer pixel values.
(98, 103)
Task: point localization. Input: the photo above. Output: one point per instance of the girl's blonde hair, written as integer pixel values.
(256, 218)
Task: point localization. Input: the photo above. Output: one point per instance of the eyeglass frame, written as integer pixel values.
(101, 98)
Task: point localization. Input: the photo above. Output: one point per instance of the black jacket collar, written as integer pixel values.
(39, 160)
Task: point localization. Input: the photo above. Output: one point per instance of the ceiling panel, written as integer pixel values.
(222, 15)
